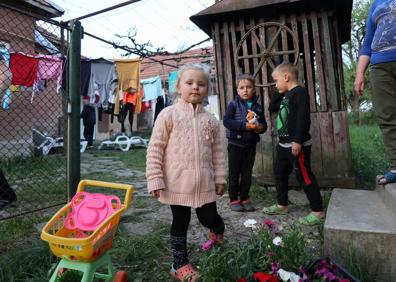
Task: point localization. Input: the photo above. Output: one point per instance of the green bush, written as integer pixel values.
(368, 154)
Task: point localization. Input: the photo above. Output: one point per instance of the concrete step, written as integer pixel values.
(359, 219)
(388, 195)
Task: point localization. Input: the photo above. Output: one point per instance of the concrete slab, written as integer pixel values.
(361, 221)
(388, 195)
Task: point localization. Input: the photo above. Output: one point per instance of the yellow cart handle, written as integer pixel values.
(128, 188)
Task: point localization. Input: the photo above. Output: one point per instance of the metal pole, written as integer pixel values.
(73, 125)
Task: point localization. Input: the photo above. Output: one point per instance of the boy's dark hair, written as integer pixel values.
(247, 77)
(289, 68)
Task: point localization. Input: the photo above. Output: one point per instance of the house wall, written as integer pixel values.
(22, 116)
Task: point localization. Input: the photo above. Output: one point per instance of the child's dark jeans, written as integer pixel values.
(284, 165)
(240, 165)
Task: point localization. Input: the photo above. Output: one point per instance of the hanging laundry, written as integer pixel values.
(140, 95)
(129, 98)
(103, 81)
(152, 88)
(5, 75)
(128, 74)
(49, 68)
(146, 106)
(172, 80)
(24, 69)
(85, 78)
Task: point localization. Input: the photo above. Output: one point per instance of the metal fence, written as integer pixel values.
(32, 113)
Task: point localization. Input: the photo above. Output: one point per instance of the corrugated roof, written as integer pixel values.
(150, 68)
(44, 8)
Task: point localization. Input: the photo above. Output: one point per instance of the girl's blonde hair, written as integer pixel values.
(194, 66)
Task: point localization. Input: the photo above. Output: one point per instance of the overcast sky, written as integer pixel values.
(162, 22)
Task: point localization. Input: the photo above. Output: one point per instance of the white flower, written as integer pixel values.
(250, 223)
(277, 241)
(288, 276)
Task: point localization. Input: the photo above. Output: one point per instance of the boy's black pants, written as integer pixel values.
(89, 132)
(240, 166)
(284, 165)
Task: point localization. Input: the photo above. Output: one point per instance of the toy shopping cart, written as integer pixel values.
(86, 251)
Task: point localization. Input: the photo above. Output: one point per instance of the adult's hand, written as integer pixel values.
(361, 67)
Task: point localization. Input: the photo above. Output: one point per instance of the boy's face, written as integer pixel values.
(85, 101)
(281, 80)
(246, 90)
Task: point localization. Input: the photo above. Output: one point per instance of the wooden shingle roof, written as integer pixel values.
(230, 9)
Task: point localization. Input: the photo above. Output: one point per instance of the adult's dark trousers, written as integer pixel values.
(383, 82)
(284, 165)
(240, 166)
(88, 132)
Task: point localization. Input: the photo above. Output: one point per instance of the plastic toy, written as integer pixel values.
(85, 249)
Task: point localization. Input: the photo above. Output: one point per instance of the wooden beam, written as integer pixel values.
(308, 64)
(319, 63)
(219, 66)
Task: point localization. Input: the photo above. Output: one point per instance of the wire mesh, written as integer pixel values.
(32, 114)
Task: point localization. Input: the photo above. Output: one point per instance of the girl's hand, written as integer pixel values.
(220, 189)
(156, 193)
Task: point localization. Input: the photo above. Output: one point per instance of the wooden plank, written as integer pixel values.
(316, 156)
(327, 142)
(234, 49)
(244, 46)
(255, 59)
(294, 24)
(341, 139)
(319, 63)
(259, 162)
(340, 68)
(284, 38)
(267, 143)
(227, 63)
(329, 64)
(219, 67)
(308, 64)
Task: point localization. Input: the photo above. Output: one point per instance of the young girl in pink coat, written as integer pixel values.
(186, 166)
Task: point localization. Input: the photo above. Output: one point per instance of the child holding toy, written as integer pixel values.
(244, 121)
(294, 148)
(185, 165)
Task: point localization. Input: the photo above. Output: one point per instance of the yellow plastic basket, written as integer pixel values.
(64, 242)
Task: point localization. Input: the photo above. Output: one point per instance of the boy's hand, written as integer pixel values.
(220, 189)
(295, 149)
(259, 128)
(156, 193)
(250, 126)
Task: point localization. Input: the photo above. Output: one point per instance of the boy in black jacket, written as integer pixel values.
(242, 138)
(294, 148)
(89, 119)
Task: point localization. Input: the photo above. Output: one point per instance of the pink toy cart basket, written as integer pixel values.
(68, 243)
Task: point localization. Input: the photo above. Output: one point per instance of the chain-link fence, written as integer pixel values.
(32, 113)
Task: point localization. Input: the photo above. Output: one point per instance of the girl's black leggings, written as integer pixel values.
(207, 216)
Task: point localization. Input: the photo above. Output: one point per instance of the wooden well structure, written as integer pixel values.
(254, 36)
